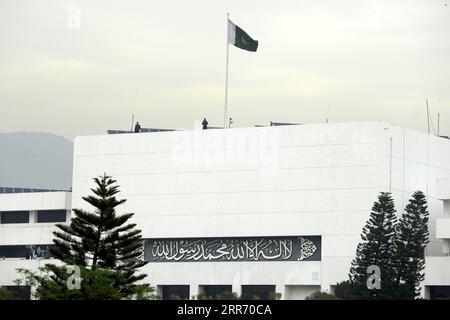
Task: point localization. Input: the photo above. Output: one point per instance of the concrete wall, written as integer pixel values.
(35, 201)
(419, 162)
(31, 233)
(271, 181)
(437, 271)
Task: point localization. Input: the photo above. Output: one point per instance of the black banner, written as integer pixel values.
(299, 248)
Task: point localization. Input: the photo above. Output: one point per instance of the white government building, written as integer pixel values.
(249, 210)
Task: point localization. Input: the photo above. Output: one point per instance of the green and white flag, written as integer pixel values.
(239, 38)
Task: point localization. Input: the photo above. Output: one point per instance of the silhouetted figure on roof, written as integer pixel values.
(137, 128)
(205, 124)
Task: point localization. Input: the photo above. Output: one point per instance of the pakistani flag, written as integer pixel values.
(239, 38)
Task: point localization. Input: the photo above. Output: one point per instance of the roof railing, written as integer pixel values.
(142, 130)
(28, 190)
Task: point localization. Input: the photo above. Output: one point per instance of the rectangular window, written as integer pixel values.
(175, 292)
(51, 216)
(218, 292)
(13, 252)
(38, 251)
(19, 292)
(258, 292)
(15, 217)
(439, 292)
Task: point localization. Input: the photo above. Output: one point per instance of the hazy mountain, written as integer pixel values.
(35, 160)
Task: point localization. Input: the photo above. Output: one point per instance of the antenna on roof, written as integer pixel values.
(328, 109)
(430, 120)
(439, 116)
(132, 122)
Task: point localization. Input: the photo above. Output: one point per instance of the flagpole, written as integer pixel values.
(225, 118)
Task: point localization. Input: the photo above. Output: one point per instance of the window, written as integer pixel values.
(15, 217)
(19, 292)
(258, 292)
(41, 251)
(440, 292)
(13, 251)
(51, 216)
(175, 292)
(217, 291)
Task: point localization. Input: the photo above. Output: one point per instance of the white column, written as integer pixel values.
(33, 217)
(237, 288)
(159, 291)
(425, 292)
(193, 291)
(279, 288)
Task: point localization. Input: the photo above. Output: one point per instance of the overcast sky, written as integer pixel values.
(164, 61)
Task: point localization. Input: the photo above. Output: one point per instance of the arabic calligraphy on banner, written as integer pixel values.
(307, 248)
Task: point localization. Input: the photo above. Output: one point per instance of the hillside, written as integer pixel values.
(35, 160)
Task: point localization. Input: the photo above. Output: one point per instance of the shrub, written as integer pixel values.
(318, 295)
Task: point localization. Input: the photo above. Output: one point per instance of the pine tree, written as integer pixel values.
(412, 238)
(103, 244)
(376, 248)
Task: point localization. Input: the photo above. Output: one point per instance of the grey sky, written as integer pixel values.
(164, 61)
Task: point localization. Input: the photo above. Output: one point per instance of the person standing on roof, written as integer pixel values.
(137, 127)
(205, 124)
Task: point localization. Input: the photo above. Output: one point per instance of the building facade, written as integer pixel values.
(256, 210)
(27, 220)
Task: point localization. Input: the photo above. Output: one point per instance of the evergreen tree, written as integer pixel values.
(103, 244)
(376, 248)
(412, 238)
(348, 290)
